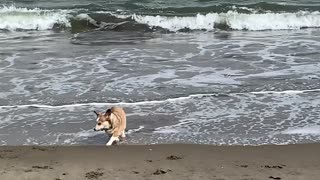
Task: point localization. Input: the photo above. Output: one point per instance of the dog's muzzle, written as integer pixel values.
(104, 129)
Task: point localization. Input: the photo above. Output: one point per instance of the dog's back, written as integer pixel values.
(120, 119)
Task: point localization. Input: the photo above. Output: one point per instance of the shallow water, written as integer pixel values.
(180, 79)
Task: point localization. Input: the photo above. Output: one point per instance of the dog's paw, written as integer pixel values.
(113, 143)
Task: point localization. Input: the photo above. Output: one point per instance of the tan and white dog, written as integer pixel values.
(113, 122)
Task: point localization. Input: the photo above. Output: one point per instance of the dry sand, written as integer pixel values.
(178, 161)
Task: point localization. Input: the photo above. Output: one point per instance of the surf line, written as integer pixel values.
(286, 91)
(43, 106)
(102, 104)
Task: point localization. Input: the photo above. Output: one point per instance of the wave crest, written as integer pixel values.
(13, 18)
(234, 20)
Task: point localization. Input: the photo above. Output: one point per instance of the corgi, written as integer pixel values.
(113, 122)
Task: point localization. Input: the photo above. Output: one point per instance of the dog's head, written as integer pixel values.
(103, 120)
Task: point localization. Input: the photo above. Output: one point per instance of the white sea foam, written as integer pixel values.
(13, 18)
(235, 20)
(100, 104)
(135, 130)
(166, 131)
(177, 23)
(84, 16)
(148, 102)
(308, 130)
(286, 91)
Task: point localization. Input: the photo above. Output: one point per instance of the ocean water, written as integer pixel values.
(199, 71)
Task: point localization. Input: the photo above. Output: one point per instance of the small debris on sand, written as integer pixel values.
(93, 175)
(271, 177)
(173, 157)
(160, 171)
(244, 165)
(42, 167)
(273, 167)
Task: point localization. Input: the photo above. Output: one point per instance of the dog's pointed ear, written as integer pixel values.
(96, 113)
(108, 112)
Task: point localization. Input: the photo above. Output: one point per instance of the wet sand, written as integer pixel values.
(177, 161)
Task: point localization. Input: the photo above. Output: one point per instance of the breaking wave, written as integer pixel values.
(236, 21)
(13, 19)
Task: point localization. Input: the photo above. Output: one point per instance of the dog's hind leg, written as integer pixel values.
(112, 139)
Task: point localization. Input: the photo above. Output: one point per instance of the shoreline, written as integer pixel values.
(163, 161)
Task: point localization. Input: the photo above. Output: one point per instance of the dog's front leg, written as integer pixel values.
(112, 139)
(109, 132)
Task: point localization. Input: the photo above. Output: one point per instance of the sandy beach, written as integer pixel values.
(178, 161)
